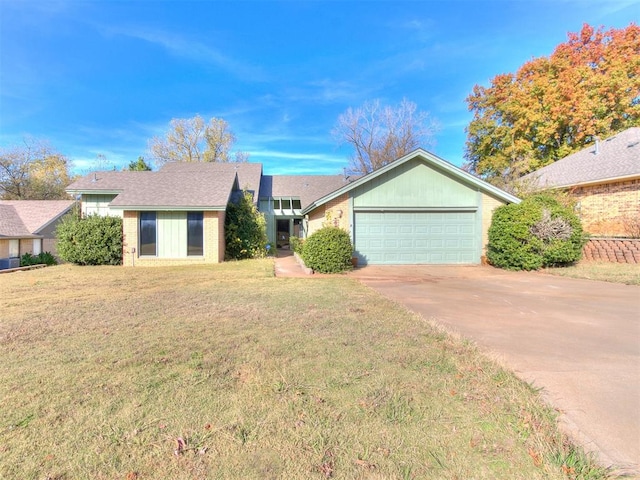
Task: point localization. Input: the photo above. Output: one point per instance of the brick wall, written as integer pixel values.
(609, 209)
(330, 213)
(213, 230)
(616, 250)
(489, 204)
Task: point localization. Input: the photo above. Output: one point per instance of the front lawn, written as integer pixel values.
(628, 273)
(228, 372)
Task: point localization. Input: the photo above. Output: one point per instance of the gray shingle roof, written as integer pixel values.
(175, 185)
(615, 158)
(25, 218)
(248, 173)
(307, 187)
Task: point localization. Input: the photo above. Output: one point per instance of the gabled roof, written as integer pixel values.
(428, 158)
(249, 174)
(27, 218)
(616, 158)
(305, 187)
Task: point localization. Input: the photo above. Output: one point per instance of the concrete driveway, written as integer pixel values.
(577, 339)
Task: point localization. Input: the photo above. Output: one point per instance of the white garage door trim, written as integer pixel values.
(444, 236)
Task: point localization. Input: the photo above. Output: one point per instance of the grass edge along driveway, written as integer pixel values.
(228, 372)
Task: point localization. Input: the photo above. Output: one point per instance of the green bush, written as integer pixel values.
(538, 232)
(328, 250)
(296, 244)
(45, 258)
(245, 230)
(93, 240)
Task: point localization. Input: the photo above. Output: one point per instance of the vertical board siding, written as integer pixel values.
(414, 184)
(172, 234)
(98, 204)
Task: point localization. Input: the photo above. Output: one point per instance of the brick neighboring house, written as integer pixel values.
(28, 226)
(419, 209)
(604, 179)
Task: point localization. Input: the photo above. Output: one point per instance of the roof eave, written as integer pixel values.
(165, 208)
(430, 158)
(587, 183)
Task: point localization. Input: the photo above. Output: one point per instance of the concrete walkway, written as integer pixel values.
(577, 339)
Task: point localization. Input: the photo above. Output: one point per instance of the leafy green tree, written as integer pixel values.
(139, 166)
(554, 106)
(245, 229)
(381, 134)
(194, 140)
(33, 171)
(93, 240)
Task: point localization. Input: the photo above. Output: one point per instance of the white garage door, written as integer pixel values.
(396, 238)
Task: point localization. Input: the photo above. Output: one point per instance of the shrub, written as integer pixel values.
(296, 244)
(538, 232)
(245, 230)
(93, 240)
(45, 258)
(328, 250)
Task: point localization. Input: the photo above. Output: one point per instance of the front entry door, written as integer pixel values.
(282, 233)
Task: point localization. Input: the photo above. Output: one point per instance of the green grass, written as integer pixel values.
(228, 372)
(627, 273)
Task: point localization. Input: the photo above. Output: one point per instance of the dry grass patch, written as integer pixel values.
(627, 273)
(228, 372)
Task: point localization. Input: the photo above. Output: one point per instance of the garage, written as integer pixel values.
(426, 237)
(417, 210)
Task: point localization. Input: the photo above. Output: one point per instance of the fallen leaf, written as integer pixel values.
(180, 446)
(537, 459)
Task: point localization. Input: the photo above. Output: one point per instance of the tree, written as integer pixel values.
(554, 106)
(245, 229)
(381, 134)
(139, 166)
(193, 140)
(33, 171)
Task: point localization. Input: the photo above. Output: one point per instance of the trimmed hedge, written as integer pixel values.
(328, 250)
(538, 232)
(93, 240)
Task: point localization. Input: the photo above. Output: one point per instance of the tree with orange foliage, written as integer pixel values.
(553, 106)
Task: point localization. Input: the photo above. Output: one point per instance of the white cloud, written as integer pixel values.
(191, 49)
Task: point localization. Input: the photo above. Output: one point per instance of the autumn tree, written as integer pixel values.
(193, 140)
(380, 134)
(33, 171)
(553, 106)
(139, 165)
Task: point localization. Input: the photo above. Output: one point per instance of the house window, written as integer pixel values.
(276, 204)
(296, 204)
(148, 233)
(194, 233)
(14, 248)
(286, 204)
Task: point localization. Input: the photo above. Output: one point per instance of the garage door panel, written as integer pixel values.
(417, 237)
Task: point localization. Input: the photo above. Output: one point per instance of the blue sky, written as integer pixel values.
(103, 77)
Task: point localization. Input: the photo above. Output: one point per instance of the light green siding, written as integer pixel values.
(172, 234)
(414, 184)
(98, 204)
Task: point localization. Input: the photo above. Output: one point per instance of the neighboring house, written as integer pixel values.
(604, 179)
(418, 209)
(28, 226)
